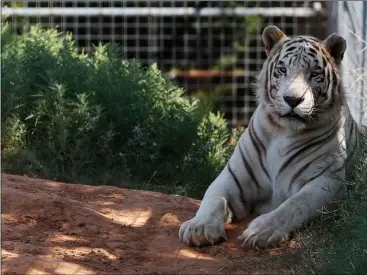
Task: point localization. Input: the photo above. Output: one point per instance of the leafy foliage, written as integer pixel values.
(99, 119)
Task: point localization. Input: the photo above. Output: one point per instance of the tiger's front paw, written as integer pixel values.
(264, 231)
(198, 231)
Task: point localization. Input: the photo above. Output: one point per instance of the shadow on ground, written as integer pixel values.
(57, 228)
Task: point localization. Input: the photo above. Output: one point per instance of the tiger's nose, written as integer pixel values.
(293, 101)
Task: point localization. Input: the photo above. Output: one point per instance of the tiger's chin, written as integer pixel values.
(291, 121)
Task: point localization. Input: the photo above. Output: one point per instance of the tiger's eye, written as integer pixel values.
(314, 74)
(283, 70)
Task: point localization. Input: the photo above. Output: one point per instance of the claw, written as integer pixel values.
(195, 232)
(209, 236)
(223, 233)
(248, 237)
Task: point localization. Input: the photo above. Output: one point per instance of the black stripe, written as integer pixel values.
(270, 70)
(296, 175)
(293, 61)
(238, 184)
(260, 142)
(324, 62)
(354, 130)
(315, 46)
(312, 52)
(293, 41)
(256, 141)
(288, 54)
(299, 39)
(334, 90)
(320, 142)
(290, 49)
(313, 56)
(288, 43)
(248, 167)
(318, 147)
(314, 39)
(266, 87)
(351, 129)
(307, 61)
(327, 166)
(319, 174)
(340, 168)
(272, 66)
(328, 76)
(314, 140)
(276, 59)
(319, 79)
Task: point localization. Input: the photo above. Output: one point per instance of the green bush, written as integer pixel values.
(99, 119)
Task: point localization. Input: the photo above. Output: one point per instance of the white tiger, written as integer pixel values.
(290, 162)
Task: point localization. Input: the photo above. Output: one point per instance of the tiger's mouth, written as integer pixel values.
(294, 116)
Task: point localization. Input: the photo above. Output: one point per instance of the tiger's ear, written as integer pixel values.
(271, 36)
(336, 46)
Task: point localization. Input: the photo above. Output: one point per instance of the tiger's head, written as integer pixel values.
(299, 84)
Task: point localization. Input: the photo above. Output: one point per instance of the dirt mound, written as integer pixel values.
(58, 228)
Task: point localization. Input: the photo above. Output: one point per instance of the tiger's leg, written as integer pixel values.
(227, 197)
(302, 207)
(216, 209)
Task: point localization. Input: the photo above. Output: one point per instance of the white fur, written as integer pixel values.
(285, 189)
(283, 208)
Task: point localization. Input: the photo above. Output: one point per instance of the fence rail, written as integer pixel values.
(151, 11)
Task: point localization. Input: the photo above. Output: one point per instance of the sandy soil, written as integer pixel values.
(58, 228)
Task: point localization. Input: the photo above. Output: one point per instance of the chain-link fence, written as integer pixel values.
(211, 48)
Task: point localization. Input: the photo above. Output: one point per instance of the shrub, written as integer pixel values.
(98, 119)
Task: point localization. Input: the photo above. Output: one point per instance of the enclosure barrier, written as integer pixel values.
(133, 12)
(211, 48)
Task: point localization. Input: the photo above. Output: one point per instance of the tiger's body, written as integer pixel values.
(290, 163)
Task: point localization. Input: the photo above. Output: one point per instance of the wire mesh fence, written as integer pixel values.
(211, 48)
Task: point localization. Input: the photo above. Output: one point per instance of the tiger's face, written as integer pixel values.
(300, 81)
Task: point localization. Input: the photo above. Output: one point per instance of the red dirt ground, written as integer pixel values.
(58, 228)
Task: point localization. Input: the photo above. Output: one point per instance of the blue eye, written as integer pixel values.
(314, 74)
(283, 70)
